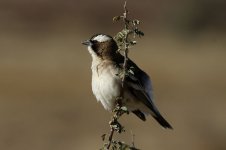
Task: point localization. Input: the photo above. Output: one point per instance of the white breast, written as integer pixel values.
(106, 84)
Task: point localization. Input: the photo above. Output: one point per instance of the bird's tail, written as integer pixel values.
(158, 117)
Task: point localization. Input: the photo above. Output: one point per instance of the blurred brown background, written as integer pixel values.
(46, 101)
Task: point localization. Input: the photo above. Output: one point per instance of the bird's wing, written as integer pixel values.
(139, 84)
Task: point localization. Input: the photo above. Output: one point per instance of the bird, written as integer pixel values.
(107, 65)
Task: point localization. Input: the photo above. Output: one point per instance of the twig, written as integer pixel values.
(113, 120)
(114, 124)
(133, 136)
(126, 21)
(110, 138)
(124, 43)
(117, 113)
(125, 14)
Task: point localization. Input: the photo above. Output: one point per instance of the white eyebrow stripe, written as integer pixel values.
(102, 38)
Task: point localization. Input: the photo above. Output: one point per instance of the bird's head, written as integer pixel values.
(102, 46)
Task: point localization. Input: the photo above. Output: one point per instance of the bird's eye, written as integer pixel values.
(94, 41)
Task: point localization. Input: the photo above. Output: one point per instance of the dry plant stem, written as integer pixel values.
(110, 138)
(125, 14)
(125, 63)
(114, 119)
(133, 143)
(112, 132)
(118, 103)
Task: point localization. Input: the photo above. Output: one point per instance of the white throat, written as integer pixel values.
(95, 59)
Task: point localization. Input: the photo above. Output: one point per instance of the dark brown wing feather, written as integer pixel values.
(136, 81)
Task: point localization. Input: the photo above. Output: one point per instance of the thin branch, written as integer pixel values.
(124, 43)
(133, 136)
(126, 21)
(125, 14)
(110, 138)
(114, 119)
(114, 124)
(118, 111)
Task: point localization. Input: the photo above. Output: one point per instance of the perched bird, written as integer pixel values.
(107, 66)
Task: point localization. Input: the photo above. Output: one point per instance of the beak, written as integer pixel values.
(87, 42)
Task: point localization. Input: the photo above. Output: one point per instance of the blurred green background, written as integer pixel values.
(46, 102)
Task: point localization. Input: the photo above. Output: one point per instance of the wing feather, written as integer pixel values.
(140, 86)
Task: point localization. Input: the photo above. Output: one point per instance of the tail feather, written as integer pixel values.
(158, 117)
(139, 114)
